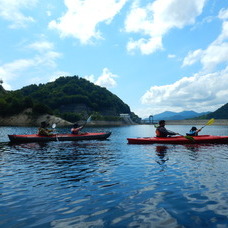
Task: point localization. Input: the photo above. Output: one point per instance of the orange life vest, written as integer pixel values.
(158, 133)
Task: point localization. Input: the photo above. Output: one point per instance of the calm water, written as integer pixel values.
(112, 184)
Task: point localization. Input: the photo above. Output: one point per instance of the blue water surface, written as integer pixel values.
(111, 183)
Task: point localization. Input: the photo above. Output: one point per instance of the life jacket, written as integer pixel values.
(192, 133)
(158, 133)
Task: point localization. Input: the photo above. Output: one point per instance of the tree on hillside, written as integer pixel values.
(221, 113)
(71, 97)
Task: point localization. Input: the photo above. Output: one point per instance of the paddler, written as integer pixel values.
(193, 132)
(76, 129)
(161, 131)
(43, 129)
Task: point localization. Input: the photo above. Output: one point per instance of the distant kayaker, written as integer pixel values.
(76, 129)
(161, 131)
(43, 129)
(193, 132)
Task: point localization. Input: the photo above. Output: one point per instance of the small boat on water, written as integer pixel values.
(180, 140)
(59, 137)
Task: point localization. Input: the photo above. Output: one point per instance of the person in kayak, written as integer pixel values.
(43, 129)
(193, 132)
(76, 129)
(161, 131)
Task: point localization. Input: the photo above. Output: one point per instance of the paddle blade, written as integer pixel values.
(211, 121)
(89, 119)
(54, 125)
(189, 138)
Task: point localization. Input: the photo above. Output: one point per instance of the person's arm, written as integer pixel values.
(171, 133)
(163, 130)
(76, 130)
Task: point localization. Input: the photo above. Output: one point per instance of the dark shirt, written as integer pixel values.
(163, 132)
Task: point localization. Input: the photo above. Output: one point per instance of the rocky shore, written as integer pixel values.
(26, 118)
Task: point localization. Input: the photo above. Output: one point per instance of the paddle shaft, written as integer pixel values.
(87, 121)
(211, 121)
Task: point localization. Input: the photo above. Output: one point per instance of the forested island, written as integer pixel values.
(70, 97)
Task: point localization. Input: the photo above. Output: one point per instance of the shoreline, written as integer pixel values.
(63, 123)
(26, 119)
(218, 122)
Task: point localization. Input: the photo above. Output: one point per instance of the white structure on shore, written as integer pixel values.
(126, 118)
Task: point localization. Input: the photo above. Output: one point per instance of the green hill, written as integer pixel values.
(221, 113)
(72, 98)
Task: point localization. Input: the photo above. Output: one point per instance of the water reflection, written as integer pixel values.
(113, 184)
(161, 152)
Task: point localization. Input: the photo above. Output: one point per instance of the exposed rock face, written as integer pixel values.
(27, 119)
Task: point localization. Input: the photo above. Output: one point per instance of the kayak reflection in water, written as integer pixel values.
(193, 132)
(161, 131)
(43, 129)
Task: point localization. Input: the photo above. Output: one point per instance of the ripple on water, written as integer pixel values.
(112, 184)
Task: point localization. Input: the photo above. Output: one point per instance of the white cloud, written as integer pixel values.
(28, 69)
(205, 91)
(83, 17)
(106, 79)
(172, 56)
(192, 57)
(223, 14)
(57, 74)
(41, 46)
(199, 92)
(13, 70)
(146, 46)
(157, 18)
(216, 52)
(90, 78)
(11, 11)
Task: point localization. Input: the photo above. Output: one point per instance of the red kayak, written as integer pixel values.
(180, 140)
(59, 137)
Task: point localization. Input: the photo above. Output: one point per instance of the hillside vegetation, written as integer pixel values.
(221, 113)
(72, 98)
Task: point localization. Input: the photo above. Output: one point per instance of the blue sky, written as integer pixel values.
(161, 55)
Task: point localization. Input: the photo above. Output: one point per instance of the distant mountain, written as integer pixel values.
(178, 115)
(221, 113)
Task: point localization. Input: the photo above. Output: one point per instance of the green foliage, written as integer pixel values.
(72, 117)
(62, 97)
(11, 104)
(221, 113)
(99, 117)
(40, 108)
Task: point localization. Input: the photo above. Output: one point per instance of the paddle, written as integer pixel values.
(54, 126)
(211, 121)
(87, 121)
(185, 136)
